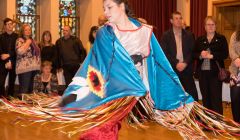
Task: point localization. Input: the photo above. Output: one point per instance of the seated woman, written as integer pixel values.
(45, 82)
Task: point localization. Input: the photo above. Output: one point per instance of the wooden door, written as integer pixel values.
(227, 19)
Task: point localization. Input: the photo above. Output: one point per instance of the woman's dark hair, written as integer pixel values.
(238, 32)
(128, 11)
(90, 36)
(42, 39)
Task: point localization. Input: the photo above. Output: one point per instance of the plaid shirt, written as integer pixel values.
(38, 86)
(206, 63)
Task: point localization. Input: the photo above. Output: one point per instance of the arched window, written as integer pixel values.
(27, 13)
(68, 15)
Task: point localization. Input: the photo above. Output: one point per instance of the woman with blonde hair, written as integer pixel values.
(45, 82)
(211, 50)
(28, 59)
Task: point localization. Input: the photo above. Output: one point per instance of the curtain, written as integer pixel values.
(156, 12)
(198, 12)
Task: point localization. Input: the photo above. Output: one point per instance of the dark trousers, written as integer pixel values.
(69, 71)
(235, 102)
(26, 82)
(211, 89)
(11, 80)
(188, 84)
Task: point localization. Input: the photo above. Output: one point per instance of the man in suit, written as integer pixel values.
(178, 45)
(7, 58)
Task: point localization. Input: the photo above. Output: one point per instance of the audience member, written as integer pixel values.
(234, 51)
(28, 59)
(45, 82)
(211, 50)
(70, 54)
(102, 20)
(48, 49)
(178, 45)
(8, 58)
(91, 38)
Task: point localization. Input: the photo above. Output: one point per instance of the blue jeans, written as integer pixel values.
(26, 82)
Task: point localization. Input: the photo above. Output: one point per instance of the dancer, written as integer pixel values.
(127, 61)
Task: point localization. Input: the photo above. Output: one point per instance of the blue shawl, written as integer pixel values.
(109, 73)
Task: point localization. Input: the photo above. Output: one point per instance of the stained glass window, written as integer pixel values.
(27, 13)
(68, 16)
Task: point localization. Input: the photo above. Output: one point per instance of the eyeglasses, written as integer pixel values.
(210, 24)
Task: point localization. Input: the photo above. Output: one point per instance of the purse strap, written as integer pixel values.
(218, 65)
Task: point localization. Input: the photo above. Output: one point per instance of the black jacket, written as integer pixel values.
(218, 47)
(169, 47)
(78, 49)
(7, 46)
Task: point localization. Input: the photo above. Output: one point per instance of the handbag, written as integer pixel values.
(223, 75)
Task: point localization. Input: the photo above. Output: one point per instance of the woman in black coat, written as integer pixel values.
(211, 49)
